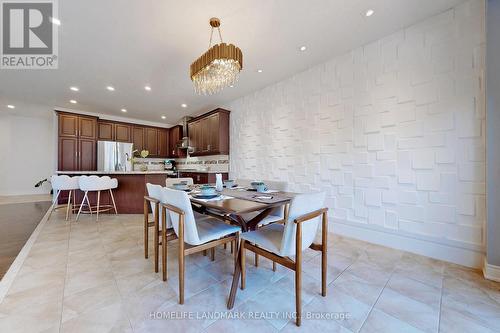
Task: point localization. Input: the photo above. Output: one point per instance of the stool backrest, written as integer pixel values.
(181, 200)
(300, 205)
(96, 183)
(171, 181)
(64, 182)
(156, 192)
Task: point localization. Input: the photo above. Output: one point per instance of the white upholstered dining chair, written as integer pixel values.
(280, 242)
(195, 232)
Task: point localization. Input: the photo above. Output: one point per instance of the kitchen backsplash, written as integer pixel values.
(215, 163)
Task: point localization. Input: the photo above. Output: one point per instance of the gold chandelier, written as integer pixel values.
(218, 67)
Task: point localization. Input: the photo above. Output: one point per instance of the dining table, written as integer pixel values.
(235, 205)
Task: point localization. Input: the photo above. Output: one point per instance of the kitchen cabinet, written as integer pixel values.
(209, 133)
(151, 141)
(163, 142)
(175, 135)
(123, 132)
(77, 142)
(138, 138)
(106, 131)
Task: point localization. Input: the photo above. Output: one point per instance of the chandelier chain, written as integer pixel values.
(211, 36)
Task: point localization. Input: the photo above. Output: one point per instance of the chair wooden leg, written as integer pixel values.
(88, 204)
(164, 245)
(98, 204)
(298, 275)
(181, 259)
(324, 261)
(54, 204)
(242, 263)
(69, 205)
(113, 199)
(156, 239)
(146, 229)
(212, 254)
(256, 260)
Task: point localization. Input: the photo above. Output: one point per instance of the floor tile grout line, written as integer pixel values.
(65, 277)
(378, 297)
(440, 304)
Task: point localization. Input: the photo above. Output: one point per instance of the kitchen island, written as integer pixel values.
(129, 196)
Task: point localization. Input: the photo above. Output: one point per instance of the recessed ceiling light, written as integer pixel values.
(74, 88)
(184, 105)
(231, 86)
(110, 88)
(124, 110)
(72, 101)
(259, 71)
(10, 106)
(147, 88)
(369, 12)
(163, 117)
(303, 48)
(55, 21)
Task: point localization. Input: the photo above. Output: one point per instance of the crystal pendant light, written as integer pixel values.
(218, 67)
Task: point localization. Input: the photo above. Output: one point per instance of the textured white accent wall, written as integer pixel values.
(393, 131)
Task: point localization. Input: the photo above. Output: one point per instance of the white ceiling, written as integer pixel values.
(132, 43)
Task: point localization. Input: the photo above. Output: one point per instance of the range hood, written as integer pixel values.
(184, 142)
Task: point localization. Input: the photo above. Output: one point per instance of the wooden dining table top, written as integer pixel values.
(242, 201)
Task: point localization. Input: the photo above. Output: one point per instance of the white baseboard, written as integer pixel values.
(461, 255)
(491, 272)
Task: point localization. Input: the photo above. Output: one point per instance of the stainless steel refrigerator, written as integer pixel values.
(114, 156)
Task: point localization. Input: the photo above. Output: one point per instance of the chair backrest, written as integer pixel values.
(300, 205)
(156, 192)
(171, 181)
(181, 200)
(64, 182)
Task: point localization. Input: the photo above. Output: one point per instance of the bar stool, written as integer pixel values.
(64, 183)
(97, 184)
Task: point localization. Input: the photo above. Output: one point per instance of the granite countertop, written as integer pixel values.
(152, 172)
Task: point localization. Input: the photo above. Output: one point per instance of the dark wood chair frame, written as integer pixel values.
(185, 249)
(297, 264)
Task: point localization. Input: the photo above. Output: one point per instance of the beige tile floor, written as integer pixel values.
(92, 277)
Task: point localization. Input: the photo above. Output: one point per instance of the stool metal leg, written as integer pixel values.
(54, 203)
(98, 204)
(113, 199)
(69, 204)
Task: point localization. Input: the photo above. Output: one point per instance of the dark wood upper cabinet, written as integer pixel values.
(67, 154)
(163, 142)
(106, 131)
(138, 138)
(175, 135)
(151, 141)
(209, 133)
(87, 128)
(68, 125)
(77, 142)
(123, 132)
